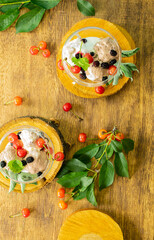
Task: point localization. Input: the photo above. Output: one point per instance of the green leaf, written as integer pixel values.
(85, 182)
(79, 195)
(91, 195)
(116, 78)
(8, 18)
(47, 4)
(75, 165)
(129, 53)
(107, 154)
(23, 185)
(128, 145)
(127, 69)
(121, 165)
(5, 9)
(15, 166)
(72, 179)
(12, 183)
(30, 6)
(87, 152)
(85, 8)
(30, 20)
(106, 176)
(116, 146)
(24, 177)
(100, 151)
(63, 171)
(81, 62)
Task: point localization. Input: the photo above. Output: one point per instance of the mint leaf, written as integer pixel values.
(121, 165)
(128, 145)
(12, 183)
(85, 182)
(87, 152)
(23, 185)
(90, 195)
(129, 53)
(8, 18)
(116, 146)
(75, 165)
(127, 68)
(30, 20)
(81, 62)
(116, 77)
(85, 8)
(106, 176)
(24, 177)
(46, 4)
(15, 166)
(72, 179)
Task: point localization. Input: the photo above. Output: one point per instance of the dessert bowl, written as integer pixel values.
(98, 43)
(37, 166)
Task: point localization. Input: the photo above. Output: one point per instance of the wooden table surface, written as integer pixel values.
(128, 201)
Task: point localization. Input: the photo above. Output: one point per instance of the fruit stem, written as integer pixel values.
(92, 138)
(8, 102)
(15, 215)
(81, 119)
(12, 3)
(101, 155)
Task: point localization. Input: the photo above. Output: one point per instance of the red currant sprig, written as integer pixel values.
(17, 101)
(25, 212)
(41, 46)
(68, 107)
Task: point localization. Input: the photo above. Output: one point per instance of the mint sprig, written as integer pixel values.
(15, 166)
(129, 53)
(81, 62)
(79, 174)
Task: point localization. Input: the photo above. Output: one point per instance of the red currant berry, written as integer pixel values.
(21, 152)
(112, 70)
(63, 205)
(110, 137)
(82, 137)
(99, 90)
(59, 156)
(61, 193)
(119, 136)
(12, 137)
(25, 212)
(40, 142)
(34, 50)
(67, 107)
(46, 53)
(75, 69)
(17, 144)
(18, 101)
(42, 45)
(60, 64)
(89, 57)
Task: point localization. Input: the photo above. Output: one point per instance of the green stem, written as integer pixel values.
(92, 138)
(91, 170)
(13, 3)
(15, 215)
(81, 119)
(101, 156)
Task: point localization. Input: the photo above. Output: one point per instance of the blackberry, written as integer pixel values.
(24, 163)
(96, 63)
(78, 55)
(84, 40)
(83, 76)
(92, 54)
(29, 159)
(18, 134)
(39, 174)
(105, 65)
(113, 53)
(104, 78)
(2, 164)
(113, 61)
(82, 70)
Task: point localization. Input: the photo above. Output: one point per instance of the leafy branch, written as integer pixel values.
(30, 20)
(80, 174)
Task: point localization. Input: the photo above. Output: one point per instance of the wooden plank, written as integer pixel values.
(128, 201)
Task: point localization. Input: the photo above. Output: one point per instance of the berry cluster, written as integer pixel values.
(61, 194)
(41, 46)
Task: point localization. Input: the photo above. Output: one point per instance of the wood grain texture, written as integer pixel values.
(125, 42)
(128, 201)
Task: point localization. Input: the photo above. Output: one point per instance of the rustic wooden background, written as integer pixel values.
(128, 201)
